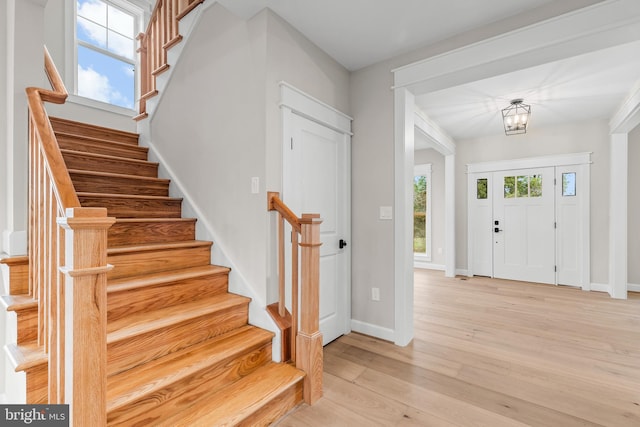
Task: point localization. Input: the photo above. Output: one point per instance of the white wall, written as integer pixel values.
(436, 160)
(224, 95)
(209, 131)
(633, 240)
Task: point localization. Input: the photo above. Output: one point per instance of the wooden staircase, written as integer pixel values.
(180, 350)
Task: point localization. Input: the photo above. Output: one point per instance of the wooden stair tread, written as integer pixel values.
(109, 157)
(26, 356)
(119, 175)
(158, 247)
(125, 283)
(57, 122)
(141, 323)
(126, 196)
(239, 401)
(134, 220)
(18, 302)
(108, 142)
(156, 374)
(14, 260)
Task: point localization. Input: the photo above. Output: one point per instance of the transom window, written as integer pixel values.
(106, 51)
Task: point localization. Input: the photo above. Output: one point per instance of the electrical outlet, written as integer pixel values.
(375, 294)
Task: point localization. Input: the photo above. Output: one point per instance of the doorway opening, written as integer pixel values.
(528, 220)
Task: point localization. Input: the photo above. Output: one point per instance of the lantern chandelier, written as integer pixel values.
(516, 117)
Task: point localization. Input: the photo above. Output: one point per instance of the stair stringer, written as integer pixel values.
(258, 315)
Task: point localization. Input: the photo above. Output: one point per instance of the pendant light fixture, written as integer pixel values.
(516, 117)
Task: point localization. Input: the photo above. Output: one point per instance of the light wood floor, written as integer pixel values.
(490, 353)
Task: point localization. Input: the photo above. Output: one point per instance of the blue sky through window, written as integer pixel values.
(101, 76)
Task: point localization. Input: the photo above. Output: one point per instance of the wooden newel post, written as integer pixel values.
(85, 293)
(309, 338)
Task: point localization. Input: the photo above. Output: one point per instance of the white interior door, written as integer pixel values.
(524, 227)
(319, 183)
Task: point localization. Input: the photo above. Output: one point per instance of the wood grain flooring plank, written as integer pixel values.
(490, 352)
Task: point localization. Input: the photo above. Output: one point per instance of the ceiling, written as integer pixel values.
(358, 33)
(586, 87)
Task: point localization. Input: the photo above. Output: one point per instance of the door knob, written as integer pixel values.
(342, 243)
(496, 230)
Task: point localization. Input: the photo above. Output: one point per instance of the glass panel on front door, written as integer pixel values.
(522, 186)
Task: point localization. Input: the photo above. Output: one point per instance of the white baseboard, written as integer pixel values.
(427, 265)
(373, 330)
(601, 287)
(461, 272)
(633, 287)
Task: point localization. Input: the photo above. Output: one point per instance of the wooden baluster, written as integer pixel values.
(52, 318)
(46, 219)
(144, 80)
(60, 330)
(153, 42)
(294, 292)
(281, 268)
(309, 337)
(86, 314)
(40, 248)
(166, 11)
(33, 144)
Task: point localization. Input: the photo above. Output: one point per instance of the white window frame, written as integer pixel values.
(71, 63)
(425, 170)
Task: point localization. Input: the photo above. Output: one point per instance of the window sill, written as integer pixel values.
(99, 105)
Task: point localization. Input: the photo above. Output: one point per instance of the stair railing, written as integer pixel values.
(303, 336)
(162, 33)
(67, 268)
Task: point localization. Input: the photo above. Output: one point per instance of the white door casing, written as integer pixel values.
(316, 179)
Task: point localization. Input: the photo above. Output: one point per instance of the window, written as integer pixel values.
(481, 188)
(106, 51)
(422, 212)
(522, 186)
(569, 184)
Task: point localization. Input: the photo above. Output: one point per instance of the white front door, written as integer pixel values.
(524, 225)
(318, 182)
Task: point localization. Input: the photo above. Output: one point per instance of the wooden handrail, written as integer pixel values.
(65, 192)
(302, 331)
(67, 268)
(162, 33)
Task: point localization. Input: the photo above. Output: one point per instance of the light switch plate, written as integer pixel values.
(386, 212)
(255, 185)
